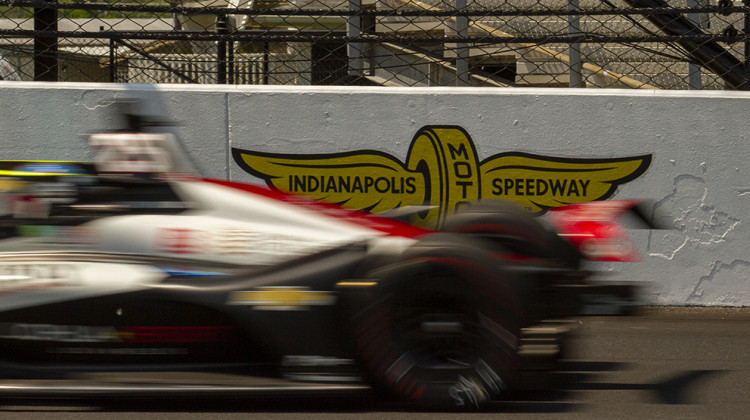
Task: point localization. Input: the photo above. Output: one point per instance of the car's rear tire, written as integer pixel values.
(441, 328)
(506, 224)
(521, 238)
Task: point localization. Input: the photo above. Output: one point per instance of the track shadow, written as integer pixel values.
(553, 395)
(671, 390)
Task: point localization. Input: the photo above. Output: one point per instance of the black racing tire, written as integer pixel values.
(512, 229)
(442, 326)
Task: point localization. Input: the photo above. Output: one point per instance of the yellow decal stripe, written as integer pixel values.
(282, 297)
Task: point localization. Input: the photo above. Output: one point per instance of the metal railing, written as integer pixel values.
(642, 44)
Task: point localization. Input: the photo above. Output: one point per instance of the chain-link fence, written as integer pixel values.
(646, 44)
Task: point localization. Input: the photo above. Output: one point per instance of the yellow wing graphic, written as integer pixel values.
(364, 180)
(538, 182)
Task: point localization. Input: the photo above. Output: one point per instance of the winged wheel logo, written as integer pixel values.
(442, 170)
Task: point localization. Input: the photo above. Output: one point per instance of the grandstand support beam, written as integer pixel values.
(694, 70)
(354, 29)
(266, 61)
(221, 50)
(462, 48)
(574, 50)
(710, 54)
(112, 61)
(45, 46)
(230, 62)
(160, 63)
(589, 68)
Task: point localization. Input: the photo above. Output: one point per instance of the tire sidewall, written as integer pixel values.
(441, 274)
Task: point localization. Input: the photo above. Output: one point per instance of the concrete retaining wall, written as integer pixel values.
(693, 148)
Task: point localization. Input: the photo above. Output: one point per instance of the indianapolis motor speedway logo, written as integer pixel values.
(442, 171)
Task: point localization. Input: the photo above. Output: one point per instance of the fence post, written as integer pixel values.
(230, 62)
(462, 50)
(694, 70)
(574, 48)
(112, 62)
(45, 46)
(266, 61)
(354, 28)
(221, 50)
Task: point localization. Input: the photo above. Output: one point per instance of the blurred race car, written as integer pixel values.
(129, 276)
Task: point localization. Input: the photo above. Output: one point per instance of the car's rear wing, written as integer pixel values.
(596, 230)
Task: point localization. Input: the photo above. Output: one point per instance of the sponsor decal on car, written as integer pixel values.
(22, 277)
(68, 235)
(40, 168)
(442, 170)
(282, 298)
(132, 152)
(180, 241)
(234, 241)
(9, 184)
(110, 334)
(32, 282)
(58, 333)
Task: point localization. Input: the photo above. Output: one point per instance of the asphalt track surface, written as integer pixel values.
(665, 363)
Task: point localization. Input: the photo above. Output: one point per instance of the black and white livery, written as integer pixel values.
(131, 266)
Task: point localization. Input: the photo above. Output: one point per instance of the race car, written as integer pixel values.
(132, 276)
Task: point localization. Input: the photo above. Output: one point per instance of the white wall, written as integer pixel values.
(698, 142)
